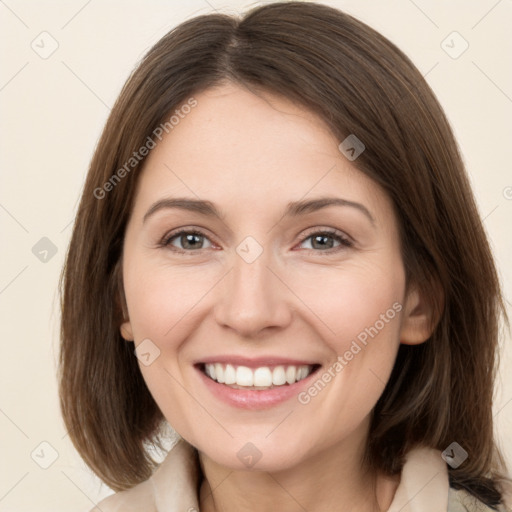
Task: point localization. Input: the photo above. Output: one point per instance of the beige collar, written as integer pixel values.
(174, 485)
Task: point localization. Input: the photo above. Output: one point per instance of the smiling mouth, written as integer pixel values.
(260, 378)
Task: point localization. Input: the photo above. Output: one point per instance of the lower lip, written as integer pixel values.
(255, 399)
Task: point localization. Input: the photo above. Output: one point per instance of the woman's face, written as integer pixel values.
(275, 285)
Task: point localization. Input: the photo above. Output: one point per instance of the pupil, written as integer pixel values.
(321, 239)
(323, 244)
(190, 238)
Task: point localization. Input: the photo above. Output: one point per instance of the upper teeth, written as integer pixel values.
(259, 377)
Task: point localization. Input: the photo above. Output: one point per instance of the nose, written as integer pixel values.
(253, 297)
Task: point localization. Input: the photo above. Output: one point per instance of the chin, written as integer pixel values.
(260, 454)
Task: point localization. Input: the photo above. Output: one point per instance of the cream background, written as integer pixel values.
(52, 113)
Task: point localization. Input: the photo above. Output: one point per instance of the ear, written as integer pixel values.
(421, 315)
(126, 330)
(125, 327)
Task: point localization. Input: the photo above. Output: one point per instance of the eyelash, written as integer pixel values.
(344, 241)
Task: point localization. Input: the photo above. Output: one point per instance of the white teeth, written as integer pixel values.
(291, 374)
(261, 378)
(244, 376)
(301, 373)
(278, 376)
(218, 372)
(229, 375)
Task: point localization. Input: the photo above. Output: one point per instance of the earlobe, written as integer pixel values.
(419, 318)
(126, 331)
(121, 306)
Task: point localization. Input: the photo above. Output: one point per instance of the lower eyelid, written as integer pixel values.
(344, 241)
(166, 241)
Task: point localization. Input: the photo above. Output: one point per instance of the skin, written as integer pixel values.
(251, 155)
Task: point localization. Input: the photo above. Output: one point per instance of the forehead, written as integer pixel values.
(255, 150)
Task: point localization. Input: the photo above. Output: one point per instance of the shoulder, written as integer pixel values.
(462, 501)
(173, 486)
(137, 498)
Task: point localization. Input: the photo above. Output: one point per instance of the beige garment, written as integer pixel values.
(174, 487)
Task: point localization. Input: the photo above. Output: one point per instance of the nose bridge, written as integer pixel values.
(252, 297)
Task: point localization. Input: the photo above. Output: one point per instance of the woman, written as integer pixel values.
(278, 253)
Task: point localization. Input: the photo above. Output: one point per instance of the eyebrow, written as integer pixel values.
(293, 209)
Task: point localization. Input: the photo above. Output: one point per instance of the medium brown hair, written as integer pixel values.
(359, 83)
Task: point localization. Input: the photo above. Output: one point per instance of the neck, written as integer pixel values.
(332, 479)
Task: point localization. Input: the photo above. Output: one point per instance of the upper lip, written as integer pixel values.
(255, 362)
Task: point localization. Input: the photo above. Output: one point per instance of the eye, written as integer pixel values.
(190, 240)
(324, 241)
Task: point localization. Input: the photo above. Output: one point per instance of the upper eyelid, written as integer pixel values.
(192, 230)
(308, 234)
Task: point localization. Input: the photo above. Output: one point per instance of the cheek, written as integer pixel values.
(348, 301)
(163, 305)
(360, 308)
(162, 299)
